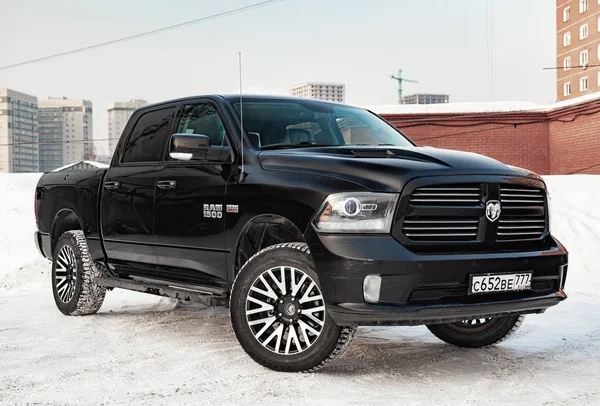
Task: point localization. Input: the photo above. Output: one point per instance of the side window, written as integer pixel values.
(148, 136)
(203, 119)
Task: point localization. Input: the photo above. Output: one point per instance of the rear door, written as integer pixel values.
(127, 202)
(190, 202)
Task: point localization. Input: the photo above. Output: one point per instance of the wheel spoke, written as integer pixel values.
(309, 313)
(62, 261)
(305, 298)
(268, 324)
(263, 306)
(296, 287)
(62, 285)
(277, 333)
(268, 293)
(305, 327)
(292, 336)
(280, 284)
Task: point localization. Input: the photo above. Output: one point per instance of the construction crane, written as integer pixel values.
(401, 80)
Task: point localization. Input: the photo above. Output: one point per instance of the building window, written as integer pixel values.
(583, 6)
(598, 21)
(567, 63)
(566, 14)
(584, 84)
(583, 31)
(567, 89)
(599, 78)
(583, 58)
(567, 39)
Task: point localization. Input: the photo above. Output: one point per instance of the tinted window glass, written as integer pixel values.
(272, 122)
(203, 119)
(149, 135)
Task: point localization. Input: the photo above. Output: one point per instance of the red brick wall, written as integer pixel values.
(575, 146)
(562, 141)
(524, 145)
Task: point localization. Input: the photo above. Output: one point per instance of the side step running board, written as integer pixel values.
(209, 296)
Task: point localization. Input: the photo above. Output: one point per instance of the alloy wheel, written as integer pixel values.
(285, 310)
(65, 278)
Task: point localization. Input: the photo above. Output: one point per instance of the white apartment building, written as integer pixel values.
(334, 92)
(65, 132)
(18, 132)
(118, 115)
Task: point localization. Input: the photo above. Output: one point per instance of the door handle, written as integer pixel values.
(111, 185)
(166, 184)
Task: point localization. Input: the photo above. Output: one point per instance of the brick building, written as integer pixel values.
(577, 48)
(563, 138)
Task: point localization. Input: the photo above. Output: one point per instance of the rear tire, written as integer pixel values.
(73, 276)
(478, 332)
(278, 312)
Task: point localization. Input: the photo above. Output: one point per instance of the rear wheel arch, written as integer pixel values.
(65, 220)
(261, 232)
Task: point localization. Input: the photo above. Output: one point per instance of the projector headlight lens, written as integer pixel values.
(356, 212)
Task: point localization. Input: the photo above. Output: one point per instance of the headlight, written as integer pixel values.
(360, 212)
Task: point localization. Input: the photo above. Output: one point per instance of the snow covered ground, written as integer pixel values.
(143, 349)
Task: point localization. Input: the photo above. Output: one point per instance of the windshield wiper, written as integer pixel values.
(303, 144)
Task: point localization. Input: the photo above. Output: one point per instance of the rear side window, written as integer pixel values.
(148, 136)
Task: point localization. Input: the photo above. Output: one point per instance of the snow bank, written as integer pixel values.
(17, 225)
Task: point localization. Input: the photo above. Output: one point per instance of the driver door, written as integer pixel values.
(190, 202)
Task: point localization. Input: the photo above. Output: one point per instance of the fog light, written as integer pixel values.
(371, 288)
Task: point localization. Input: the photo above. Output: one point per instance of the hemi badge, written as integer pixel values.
(232, 208)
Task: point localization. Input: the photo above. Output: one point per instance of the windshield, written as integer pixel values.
(289, 123)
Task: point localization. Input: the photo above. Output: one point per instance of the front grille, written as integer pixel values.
(447, 195)
(441, 229)
(452, 216)
(523, 213)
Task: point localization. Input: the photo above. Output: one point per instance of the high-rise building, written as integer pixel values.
(577, 48)
(66, 132)
(18, 132)
(334, 92)
(118, 114)
(425, 98)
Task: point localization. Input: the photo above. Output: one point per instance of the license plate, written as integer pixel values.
(493, 283)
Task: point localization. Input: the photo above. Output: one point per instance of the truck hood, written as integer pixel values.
(385, 168)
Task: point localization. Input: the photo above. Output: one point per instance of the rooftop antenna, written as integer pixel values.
(242, 173)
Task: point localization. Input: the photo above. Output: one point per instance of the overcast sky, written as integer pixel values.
(440, 43)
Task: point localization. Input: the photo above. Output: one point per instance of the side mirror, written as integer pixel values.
(186, 147)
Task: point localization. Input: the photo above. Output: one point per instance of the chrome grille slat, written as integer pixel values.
(521, 233)
(441, 221)
(516, 222)
(442, 235)
(440, 228)
(518, 227)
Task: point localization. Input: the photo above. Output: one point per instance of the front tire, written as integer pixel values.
(477, 333)
(73, 276)
(278, 311)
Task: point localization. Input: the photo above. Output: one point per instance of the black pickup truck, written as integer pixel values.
(307, 219)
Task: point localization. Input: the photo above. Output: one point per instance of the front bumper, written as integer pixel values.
(427, 288)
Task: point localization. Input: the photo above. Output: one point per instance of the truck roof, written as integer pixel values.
(234, 97)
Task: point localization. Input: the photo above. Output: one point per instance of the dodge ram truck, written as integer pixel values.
(306, 219)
